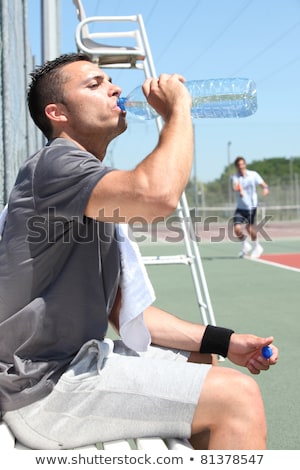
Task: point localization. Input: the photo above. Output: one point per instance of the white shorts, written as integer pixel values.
(110, 392)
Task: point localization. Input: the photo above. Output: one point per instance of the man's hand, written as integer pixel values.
(245, 350)
(265, 191)
(167, 94)
(238, 188)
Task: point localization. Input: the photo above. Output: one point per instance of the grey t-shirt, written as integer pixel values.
(59, 272)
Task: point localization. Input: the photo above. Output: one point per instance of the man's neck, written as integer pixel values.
(98, 151)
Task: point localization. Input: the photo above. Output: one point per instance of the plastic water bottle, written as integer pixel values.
(212, 98)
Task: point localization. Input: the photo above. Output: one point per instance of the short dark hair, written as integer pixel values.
(238, 159)
(46, 87)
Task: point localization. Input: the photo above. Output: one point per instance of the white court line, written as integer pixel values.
(272, 263)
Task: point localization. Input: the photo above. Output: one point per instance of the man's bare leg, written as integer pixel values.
(251, 229)
(231, 409)
(238, 230)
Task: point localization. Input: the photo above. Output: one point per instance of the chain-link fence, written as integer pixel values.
(18, 136)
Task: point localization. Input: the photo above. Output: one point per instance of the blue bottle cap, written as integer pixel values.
(267, 352)
(121, 103)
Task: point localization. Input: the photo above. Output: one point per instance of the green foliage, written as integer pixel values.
(276, 170)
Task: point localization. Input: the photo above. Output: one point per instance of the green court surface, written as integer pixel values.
(249, 297)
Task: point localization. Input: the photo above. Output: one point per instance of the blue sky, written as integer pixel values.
(200, 39)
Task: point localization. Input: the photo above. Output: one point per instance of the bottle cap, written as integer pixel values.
(267, 352)
(121, 103)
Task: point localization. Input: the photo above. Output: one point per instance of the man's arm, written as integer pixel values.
(244, 349)
(262, 183)
(170, 331)
(236, 186)
(165, 329)
(265, 188)
(154, 187)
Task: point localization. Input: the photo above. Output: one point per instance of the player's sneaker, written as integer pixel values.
(245, 250)
(257, 252)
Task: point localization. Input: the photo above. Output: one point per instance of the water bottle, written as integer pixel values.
(212, 98)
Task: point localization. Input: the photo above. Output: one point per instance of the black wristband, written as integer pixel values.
(216, 340)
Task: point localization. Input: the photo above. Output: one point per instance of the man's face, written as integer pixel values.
(241, 166)
(90, 101)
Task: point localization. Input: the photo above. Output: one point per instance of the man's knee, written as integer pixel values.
(227, 393)
(238, 230)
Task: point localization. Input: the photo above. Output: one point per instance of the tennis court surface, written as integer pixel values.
(282, 260)
(262, 298)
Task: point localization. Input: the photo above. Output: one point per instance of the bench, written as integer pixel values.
(151, 444)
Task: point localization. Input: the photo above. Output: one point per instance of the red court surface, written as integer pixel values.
(285, 259)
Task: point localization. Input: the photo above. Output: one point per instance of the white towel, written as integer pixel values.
(2, 220)
(136, 290)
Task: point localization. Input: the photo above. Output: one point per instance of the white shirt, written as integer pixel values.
(248, 184)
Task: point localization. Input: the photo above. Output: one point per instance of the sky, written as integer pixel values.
(204, 39)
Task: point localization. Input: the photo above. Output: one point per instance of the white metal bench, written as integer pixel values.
(8, 443)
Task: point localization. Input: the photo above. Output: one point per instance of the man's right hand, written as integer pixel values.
(167, 94)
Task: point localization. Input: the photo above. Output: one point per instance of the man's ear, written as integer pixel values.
(55, 112)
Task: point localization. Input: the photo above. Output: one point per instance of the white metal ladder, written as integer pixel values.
(137, 54)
